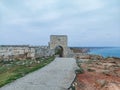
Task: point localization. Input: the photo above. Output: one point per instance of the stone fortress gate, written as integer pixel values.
(59, 41)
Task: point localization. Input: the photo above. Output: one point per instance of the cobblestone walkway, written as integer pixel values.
(58, 75)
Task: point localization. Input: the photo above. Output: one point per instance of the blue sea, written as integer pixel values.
(106, 52)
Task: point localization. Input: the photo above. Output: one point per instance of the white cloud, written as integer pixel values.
(48, 16)
(37, 18)
(36, 5)
(13, 17)
(45, 17)
(89, 5)
(8, 14)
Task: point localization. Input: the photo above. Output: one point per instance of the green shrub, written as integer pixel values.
(79, 71)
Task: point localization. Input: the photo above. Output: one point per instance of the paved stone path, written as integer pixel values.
(58, 75)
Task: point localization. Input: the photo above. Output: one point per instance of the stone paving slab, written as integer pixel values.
(58, 75)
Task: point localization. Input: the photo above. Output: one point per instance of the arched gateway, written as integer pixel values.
(60, 42)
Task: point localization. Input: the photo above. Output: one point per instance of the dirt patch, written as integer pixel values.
(100, 75)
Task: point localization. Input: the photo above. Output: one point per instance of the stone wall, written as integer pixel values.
(16, 51)
(43, 51)
(11, 52)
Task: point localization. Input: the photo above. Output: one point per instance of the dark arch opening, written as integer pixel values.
(59, 51)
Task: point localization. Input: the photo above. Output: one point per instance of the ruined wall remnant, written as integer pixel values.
(59, 40)
(16, 52)
(21, 52)
(11, 52)
(41, 51)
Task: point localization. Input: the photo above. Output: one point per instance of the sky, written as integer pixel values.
(85, 22)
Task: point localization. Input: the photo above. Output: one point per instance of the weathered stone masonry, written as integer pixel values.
(16, 52)
(11, 52)
(59, 40)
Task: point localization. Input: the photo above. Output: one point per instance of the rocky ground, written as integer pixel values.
(99, 74)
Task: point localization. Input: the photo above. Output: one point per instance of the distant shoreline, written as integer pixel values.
(101, 51)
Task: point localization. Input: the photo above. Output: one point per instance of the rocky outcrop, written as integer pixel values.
(88, 56)
(80, 50)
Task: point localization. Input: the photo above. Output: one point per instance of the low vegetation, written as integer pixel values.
(80, 70)
(12, 70)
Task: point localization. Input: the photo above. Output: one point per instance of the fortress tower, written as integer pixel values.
(59, 41)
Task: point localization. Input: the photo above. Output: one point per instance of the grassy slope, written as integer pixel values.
(10, 74)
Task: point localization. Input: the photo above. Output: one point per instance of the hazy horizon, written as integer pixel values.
(87, 23)
(68, 46)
